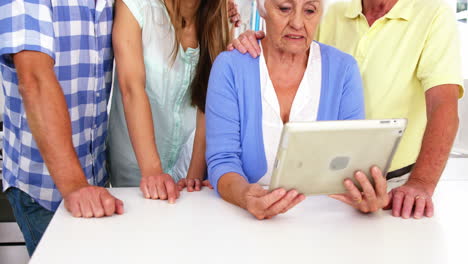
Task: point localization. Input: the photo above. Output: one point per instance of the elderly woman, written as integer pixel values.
(249, 100)
(408, 53)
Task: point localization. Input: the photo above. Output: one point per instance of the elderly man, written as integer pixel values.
(56, 65)
(408, 54)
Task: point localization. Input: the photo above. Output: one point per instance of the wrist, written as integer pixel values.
(73, 186)
(243, 191)
(154, 169)
(428, 186)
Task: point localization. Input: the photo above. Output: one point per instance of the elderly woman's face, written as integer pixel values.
(291, 24)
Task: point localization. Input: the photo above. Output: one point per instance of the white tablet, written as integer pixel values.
(316, 157)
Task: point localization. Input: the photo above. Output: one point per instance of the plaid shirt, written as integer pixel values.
(77, 35)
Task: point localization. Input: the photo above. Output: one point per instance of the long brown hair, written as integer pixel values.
(213, 36)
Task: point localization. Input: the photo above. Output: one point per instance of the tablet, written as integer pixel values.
(316, 157)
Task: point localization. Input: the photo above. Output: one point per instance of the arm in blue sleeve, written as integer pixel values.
(223, 147)
(352, 100)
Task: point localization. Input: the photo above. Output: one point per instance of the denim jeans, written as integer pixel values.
(32, 218)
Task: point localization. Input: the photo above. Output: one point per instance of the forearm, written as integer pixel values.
(437, 142)
(232, 187)
(49, 122)
(197, 163)
(141, 130)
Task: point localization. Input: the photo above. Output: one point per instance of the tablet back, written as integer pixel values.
(316, 157)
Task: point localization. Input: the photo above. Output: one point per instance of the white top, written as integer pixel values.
(304, 108)
(318, 230)
(167, 87)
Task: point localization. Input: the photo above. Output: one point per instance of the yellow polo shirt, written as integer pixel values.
(413, 48)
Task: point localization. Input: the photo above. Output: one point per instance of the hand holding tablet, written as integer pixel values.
(317, 157)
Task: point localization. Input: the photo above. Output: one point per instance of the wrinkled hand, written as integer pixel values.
(160, 186)
(92, 201)
(371, 199)
(193, 184)
(413, 196)
(233, 13)
(247, 42)
(264, 204)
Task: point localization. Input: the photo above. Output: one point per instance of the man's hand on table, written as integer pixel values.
(370, 199)
(413, 196)
(92, 201)
(160, 186)
(264, 204)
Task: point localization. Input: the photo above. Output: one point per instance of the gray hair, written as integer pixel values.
(262, 10)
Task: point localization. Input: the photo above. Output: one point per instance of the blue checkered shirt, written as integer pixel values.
(77, 35)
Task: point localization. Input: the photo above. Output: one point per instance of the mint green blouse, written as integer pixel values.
(167, 87)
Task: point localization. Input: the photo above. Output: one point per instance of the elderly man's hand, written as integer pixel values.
(412, 196)
(92, 201)
(233, 13)
(264, 204)
(247, 42)
(371, 199)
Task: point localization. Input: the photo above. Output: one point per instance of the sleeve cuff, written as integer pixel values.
(30, 47)
(444, 79)
(219, 172)
(136, 10)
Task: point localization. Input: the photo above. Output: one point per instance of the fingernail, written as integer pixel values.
(171, 201)
(281, 191)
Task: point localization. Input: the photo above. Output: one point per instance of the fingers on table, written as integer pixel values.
(172, 193)
(419, 205)
(145, 190)
(207, 183)
(405, 204)
(190, 185)
(181, 184)
(119, 206)
(408, 204)
(397, 202)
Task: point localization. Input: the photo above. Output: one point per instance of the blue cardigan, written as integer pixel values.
(234, 137)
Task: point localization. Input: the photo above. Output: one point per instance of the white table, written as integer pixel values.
(202, 228)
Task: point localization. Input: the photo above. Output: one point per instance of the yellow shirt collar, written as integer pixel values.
(402, 10)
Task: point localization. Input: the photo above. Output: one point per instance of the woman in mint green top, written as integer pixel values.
(152, 120)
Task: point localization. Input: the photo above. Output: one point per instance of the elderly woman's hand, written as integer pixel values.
(264, 204)
(371, 199)
(247, 42)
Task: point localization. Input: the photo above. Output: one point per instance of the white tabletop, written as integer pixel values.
(202, 228)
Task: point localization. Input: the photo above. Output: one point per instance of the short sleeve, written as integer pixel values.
(137, 7)
(26, 25)
(440, 59)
